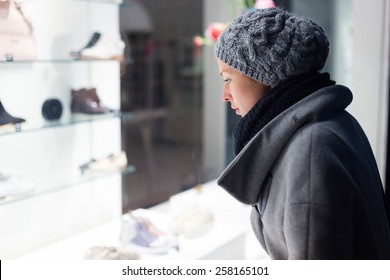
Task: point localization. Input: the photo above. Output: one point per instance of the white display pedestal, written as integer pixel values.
(228, 238)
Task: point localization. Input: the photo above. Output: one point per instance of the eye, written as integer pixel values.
(226, 80)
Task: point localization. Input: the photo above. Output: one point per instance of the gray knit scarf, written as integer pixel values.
(274, 102)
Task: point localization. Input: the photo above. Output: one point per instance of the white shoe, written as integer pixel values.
(106, 48)
(195, 220)
(139, 233)
(10, 186)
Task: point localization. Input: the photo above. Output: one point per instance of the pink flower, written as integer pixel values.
(198, 41)
(264, 4)
(214, 30)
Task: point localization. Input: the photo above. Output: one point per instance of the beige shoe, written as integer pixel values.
(110, 253)
(195, 220)
(107, 164)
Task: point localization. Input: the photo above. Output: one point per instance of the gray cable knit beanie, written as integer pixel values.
(271, 45)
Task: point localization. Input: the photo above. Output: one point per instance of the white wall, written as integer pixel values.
(370, 72)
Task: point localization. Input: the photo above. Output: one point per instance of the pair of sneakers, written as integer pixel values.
(140, 233)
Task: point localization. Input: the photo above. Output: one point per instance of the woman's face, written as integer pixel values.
(241, 91)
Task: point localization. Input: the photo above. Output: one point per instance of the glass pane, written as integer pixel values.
(70, 120)
(165, 75)
(26, 36)
(63, 179)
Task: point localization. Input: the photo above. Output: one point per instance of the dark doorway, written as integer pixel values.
(160, 89)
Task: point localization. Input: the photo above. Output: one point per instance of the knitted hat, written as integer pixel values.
(271, 45)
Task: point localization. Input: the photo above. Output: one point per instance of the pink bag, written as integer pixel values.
(17, 40)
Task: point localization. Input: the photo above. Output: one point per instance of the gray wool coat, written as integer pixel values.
(313, 182)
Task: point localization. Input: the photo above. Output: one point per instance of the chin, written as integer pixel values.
(239, 114)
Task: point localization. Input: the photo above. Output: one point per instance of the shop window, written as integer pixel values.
(161, 87)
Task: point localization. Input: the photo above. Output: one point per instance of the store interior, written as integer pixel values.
(113, 133)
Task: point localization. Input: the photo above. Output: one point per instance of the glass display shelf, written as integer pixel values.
(55, 181)
(144, 115)
(66, 60)
(105, 2)
(109, 2)
(39, 125)
(136, 116)
(120, 3)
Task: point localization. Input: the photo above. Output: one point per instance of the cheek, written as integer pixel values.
(251, 96)
(256, 96)
(248, 104)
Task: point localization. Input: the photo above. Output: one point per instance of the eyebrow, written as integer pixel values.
(224, 71)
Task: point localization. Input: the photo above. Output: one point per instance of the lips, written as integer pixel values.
(236, 109)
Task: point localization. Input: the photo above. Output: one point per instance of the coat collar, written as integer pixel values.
(245, 175)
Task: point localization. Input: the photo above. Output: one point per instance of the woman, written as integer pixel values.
(302, 161)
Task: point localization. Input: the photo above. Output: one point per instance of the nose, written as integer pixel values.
(226, 96)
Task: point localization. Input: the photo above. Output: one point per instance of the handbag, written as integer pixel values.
(17, 40)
